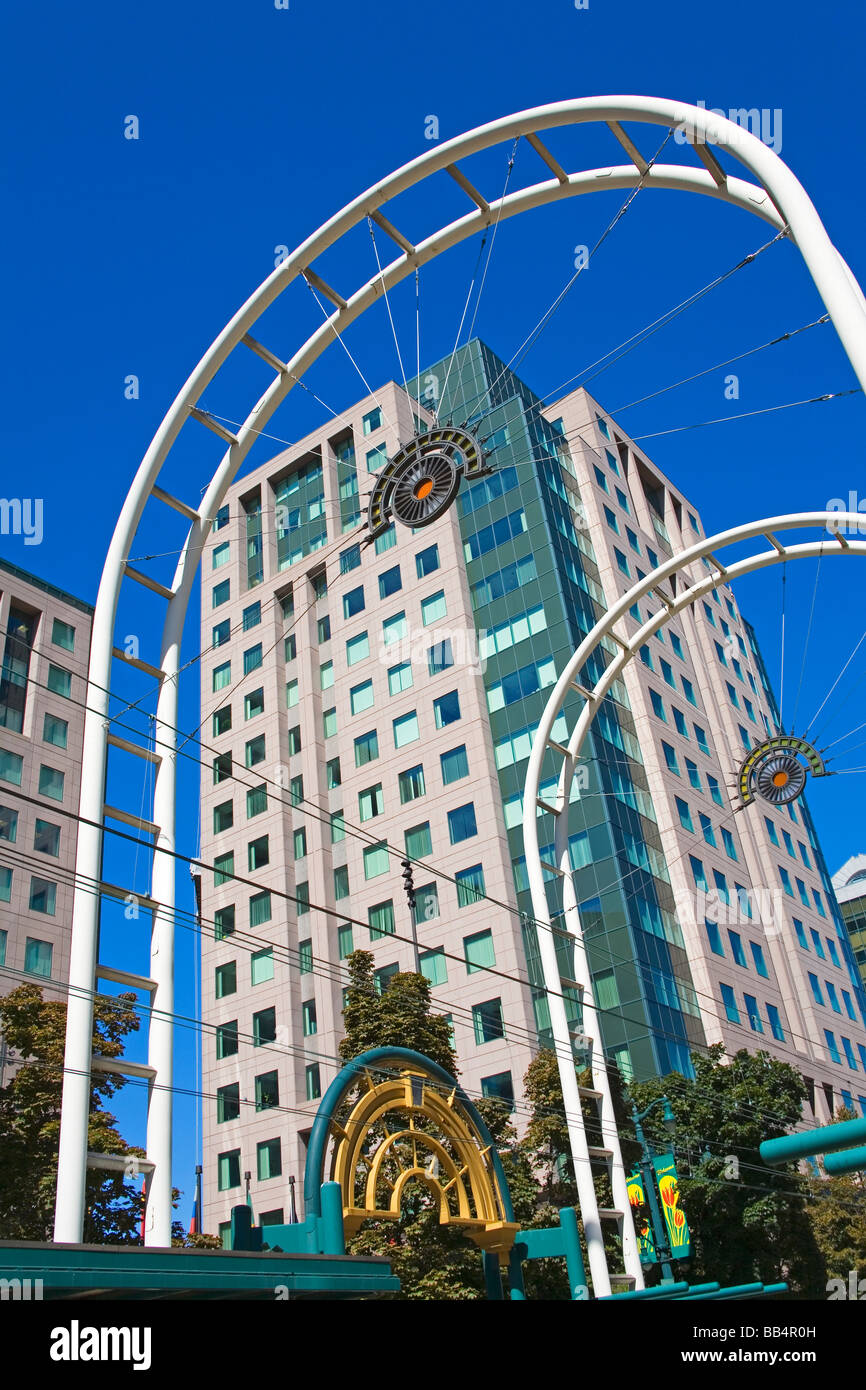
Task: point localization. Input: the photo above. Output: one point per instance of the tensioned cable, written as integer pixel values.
(806, 643)
(536, 332)
(387, 303)
(747, 414)
(782, 668)
(336, 332)
(836, 682)
(441, 395)
(750, 352)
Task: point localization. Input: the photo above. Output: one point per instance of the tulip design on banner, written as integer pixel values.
(669, 1192)
(637, 1201)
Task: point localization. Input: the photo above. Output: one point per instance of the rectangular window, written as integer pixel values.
(223, 868)
(221, 593)
(269, 1161)
(302, 898)
(8, 824)
(426, 902)
(381, 920)
(222, 676)
(487, 1021)
(470, 885)
(411, 783)
(223, 816)
(323, 629)
(262, 966)
(446, 709)
(390, 582)
(305, 956)
(427, 561)
(254, 751)
(258, 854)
(220, 555)
(299, 843)
(46, 838)
(294, 740)
(419, 844)
(228, 1102)
(267, 1091)
(345, 941)
(350, 559)
(758, 958)
(832, 1047)
(737, 949)
(707, 830)
(376, 860)
(257, 800)
(308, 1017)
(252, 616)
(338, 827)
(754, 1016)
(454, 765)
(227, 1040)
(671, 758)
(406, 729)
(684, 814)
(815, 988)
(63, 635)
(10, 767)
(357, 648)
(433, 608)
(434, 966)
(393, 629)
(221, 633)
(702, 741)
(333, 773)
(260, 909)
(254, 703)
(715, 937)
(55, 731)
(478, 951)
(314, 1085)
(341, 882)
(43, 896)
(222, 720)
(361, 697)
(732, 1013)
(229, 1170)
(775, 1023)
(223, 922)
(371, 802)
(353, 602)
(252, 658)
(366, 748)
(225, 979)
(461, 823)
(400, 678)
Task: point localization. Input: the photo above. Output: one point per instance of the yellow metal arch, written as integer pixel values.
(464, 1184)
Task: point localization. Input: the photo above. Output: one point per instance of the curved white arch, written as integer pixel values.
(626, 648)
(777, 197)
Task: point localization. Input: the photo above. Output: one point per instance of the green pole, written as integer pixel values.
(333, 1235)
(660, 1235)
(573, 1252)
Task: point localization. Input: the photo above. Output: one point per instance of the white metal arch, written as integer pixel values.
(777, 197)
(569, 680)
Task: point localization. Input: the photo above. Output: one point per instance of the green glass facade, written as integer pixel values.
(530, 570)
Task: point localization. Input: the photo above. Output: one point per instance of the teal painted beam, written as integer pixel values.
(739, 1291)
(807, 1143)
(660, 1291)
(845, 1161)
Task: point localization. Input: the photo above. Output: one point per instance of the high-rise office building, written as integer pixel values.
(850, 888)
(46, 641)
(367, 702)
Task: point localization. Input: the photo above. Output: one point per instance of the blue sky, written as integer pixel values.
(127, 257)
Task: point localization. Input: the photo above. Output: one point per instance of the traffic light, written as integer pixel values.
(408, 883)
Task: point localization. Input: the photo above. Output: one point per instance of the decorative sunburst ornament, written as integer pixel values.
(776, 770)
(421, 481)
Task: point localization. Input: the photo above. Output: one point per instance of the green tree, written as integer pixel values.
(748, 1222)
(35, 1029)
(838, 1216)
(431, 1261)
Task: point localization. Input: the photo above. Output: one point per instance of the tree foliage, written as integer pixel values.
(35, 1029)
(748, 1222)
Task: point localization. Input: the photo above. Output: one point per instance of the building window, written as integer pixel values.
(353, 602)
(228, 1102)
(341, 882)
(221, 593)
(221, 633)
(8, 824)
(223, 816)
(433, 966)
(55, 731)
(715, 937)
(345, 940)
(302, 898)
(333, 774)
(222, 720)
(223, 922)
(357, 648)
(499, 1087)
(299, 841)
(426, 903)
(758, 958)
(269, 1161)
(338, 827)
(393, 629)
(38, 957)
(775, 1023)
(63, 635)
(225, 979)
(400, 678)
(375, 860)
(260, 909)
(314, 1085)
(366, 748)
(267, 1091)
(732, 1013)
(294, 740)
(10, 767)
(470, 885)
(262, 966)
(446, 709)
(440, 657)
(257, 800)
(454, 765)
(323, 629)
(427, 561)
(418, 841)
(227, 1040)
(390, 582)
(376, 457)
(43, 896)
(254, 703)
(385, 540)
(406, 729)
(51, 782)
(487, 1021)
(684, 814)
(305, 956)
(381, 920)
(478, 951)
(461, 823)
(411, 783)
(258, 853)
(350, 559)
(361, 697)
(229, 1170)
(433, 608)
(371, 802)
